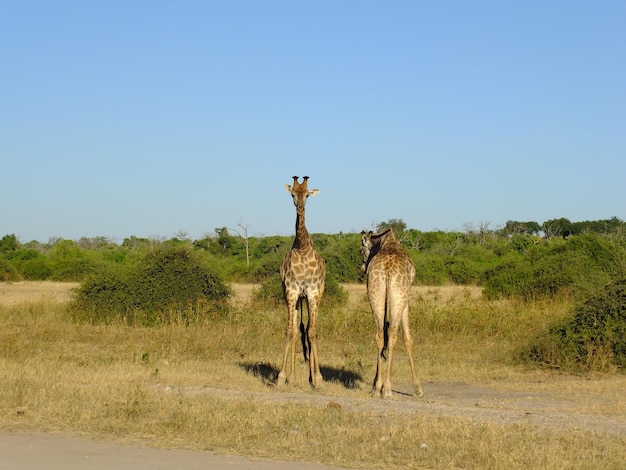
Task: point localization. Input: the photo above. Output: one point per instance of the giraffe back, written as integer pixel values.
(384, 257)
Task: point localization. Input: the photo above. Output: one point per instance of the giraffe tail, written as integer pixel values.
(386, 321)
(303, 332)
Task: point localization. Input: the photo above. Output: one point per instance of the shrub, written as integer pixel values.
(169, 284)
(7, 271)
(36, 269)
(462, 271)
(272, 291)
(595, 339)
(429, 269)
(579, 265)
(73, 270)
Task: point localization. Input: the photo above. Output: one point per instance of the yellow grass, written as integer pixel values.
(16, 293)
(209, 386)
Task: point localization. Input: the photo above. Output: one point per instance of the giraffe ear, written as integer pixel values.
(313, 192)
(288, 188)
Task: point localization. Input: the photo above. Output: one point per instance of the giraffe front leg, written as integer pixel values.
(290, 347)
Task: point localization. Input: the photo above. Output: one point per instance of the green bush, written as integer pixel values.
(462, 271)
(171, 284)
(430, 270)
(73, 269)
(595, 339)
(271, 291)
(37, 269)
(579, 265)
(8, 272)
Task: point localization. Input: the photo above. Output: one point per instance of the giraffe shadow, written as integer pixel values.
(268, 374)
(349, 379)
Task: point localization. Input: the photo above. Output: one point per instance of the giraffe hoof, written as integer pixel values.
(316, 382)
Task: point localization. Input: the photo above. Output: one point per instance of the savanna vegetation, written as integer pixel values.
(154, 339)
(149, 281)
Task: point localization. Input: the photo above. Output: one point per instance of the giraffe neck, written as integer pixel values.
(303, 239)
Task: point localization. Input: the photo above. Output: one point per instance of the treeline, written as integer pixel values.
(521, 258)
(182, 281)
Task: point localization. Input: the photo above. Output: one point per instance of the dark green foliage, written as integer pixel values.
(398, 226)
(578, 265)
(595, 339)
(7, 271)
(171, 283)
(512, 261)
(343, 257)
(521, 228)
(334, 293)
(36, 269)
(462, 271)
(73, 270)
(272, 291)
(267, 267)
(430, 269)
(8, 244)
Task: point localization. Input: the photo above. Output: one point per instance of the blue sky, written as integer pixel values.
(149, 118)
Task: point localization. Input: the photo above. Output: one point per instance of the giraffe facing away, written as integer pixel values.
(303, 273)
(390, 274)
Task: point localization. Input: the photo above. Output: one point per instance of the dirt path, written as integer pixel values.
(480, 404)
(37, 451)
(542, 410)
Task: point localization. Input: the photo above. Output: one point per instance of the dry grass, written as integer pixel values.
(16, 293)
(209, 387)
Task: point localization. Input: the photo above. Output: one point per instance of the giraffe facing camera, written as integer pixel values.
(303, 274)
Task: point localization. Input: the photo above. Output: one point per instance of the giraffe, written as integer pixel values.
(390, 274)
(303, 273)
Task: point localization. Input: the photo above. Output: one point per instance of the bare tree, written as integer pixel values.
(245, 239)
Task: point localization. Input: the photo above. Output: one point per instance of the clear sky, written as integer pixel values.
(148, 118)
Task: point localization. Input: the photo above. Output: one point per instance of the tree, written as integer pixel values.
(245, 239)
(522, 228)
(8, 243)
(557, 227)
(398, 226)
(224, 239)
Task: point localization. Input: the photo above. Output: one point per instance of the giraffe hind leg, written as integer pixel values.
(408, 343)
(304, 335)
(384, 352)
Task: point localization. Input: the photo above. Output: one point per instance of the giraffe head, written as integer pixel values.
(366, 249)
(370, 245)
(300, 192)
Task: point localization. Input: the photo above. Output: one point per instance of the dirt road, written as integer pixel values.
(28, 451)
(541, 409)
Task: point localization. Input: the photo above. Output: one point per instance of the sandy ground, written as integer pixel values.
(542, 410)
(519, 404)
(15, 293)
(34, 451)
